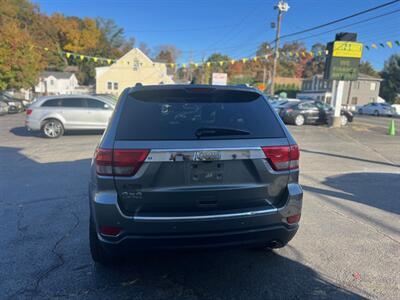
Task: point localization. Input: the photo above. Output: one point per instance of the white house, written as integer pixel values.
(56, 83)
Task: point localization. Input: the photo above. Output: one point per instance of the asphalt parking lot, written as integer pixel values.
(348, 246)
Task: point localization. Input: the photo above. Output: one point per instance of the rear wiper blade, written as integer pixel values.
(216, 131)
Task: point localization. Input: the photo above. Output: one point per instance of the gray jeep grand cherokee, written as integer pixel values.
(185, 166)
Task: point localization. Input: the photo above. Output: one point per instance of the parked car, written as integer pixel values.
(52, 115)
(14, 105)
(193, 166)
(3, 108)
(396, 109)
(283, 103)
(377, 109)
(312, 112)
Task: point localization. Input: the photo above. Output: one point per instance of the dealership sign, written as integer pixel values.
(342, 60)
(219, 78)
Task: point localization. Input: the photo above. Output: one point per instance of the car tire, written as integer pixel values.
(299, 120)
(99, 255)
(343, 120)
(376, 113)
(52, 129)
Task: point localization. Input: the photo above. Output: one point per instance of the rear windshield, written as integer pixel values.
(180, 114)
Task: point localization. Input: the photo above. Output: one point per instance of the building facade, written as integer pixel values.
(134, 67)
(362, 91)
(56, 83)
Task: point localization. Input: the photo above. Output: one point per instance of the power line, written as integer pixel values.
(339, 20)
(349, 25)
(317, 34)
(229, 33)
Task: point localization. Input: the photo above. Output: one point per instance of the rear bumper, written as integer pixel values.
(221, 230)
(274, 236)
(32, 124)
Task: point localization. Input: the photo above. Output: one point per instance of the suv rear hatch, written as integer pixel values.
(198, 151)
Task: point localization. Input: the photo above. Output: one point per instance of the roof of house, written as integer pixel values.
(365, 76)
(57, 75)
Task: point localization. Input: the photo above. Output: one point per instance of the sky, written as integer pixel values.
(237, 27)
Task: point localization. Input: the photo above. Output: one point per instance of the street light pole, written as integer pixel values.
(282, 7)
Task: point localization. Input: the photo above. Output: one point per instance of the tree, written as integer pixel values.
(167, 53)
(292, 65)
(112, 41)
(219, 64)
(368, 69)
(20, 57)
(144, 48)
(316, 64)
(75, 34)
(390, 86)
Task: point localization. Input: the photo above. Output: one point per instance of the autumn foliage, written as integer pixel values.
(31, 42)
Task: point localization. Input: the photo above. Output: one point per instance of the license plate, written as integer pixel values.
(206, 172)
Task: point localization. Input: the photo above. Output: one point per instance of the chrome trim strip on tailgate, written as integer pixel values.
(206, 154)
(207, 217)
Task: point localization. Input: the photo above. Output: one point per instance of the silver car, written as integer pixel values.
(3, 108)
(53, 115)
(377, 109)
(187, 166)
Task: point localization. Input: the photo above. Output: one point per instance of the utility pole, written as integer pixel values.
(282, 7)
(190, 65)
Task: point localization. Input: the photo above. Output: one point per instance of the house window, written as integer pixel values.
(354, 100)
(109, 85)
(115, 85)
(51, 82)
(135, 64)
(372, 87)
(329, 100)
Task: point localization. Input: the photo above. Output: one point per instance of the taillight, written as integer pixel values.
(119, 162)
(282, 157)
(293, 219)
(28, 112)
(128, 162)
(104, 161)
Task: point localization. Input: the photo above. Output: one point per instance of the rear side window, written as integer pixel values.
(73, 102)
(307, 105)
(92, 103)
(178, 114)
(52, 103)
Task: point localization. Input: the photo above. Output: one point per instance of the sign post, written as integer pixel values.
(342, 63)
